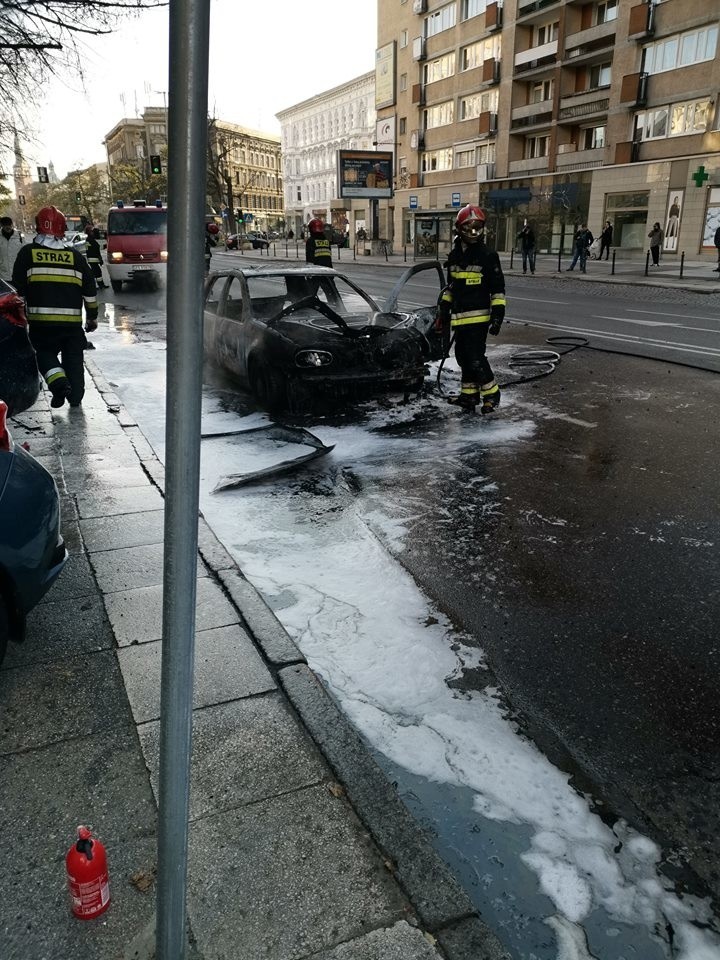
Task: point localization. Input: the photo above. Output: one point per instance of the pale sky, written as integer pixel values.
(264, 57)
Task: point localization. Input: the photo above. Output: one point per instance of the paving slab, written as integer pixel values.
(471, 940)
(56, 629)
(111, 502)
(84, 477)
(128, 530)
(82, 445)
(401, 942)
(76, 580)
(131, 567)
(136, 615)
(123, 456)
(140, 443)
(285, 878)
(212, 551)
(227, 666)
(70, 529)
(70, 698)
(243, 751)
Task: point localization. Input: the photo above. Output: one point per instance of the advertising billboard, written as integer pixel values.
(385, 76)
(365, 173)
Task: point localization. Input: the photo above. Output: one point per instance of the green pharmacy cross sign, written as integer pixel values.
(700, 176)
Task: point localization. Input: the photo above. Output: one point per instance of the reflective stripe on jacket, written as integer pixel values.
(56, 283)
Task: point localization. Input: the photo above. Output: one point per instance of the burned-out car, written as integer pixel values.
(296, 335)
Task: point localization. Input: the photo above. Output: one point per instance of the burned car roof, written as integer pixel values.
(295, 335)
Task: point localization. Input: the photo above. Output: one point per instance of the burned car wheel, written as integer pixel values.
(268, 385)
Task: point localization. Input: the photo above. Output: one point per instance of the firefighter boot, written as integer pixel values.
(59, 386)
(468, 398)
(490, 398)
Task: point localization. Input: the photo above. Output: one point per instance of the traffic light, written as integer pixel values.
(238, 215)
(155, 164)
(78, 197)
(21, 199)
(43, 175)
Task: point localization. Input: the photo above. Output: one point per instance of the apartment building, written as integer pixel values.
(560, 111)
(312, 133)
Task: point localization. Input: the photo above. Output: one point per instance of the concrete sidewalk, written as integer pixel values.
(298, 848)
(697, 274)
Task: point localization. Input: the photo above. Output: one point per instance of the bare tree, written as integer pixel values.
(41, 38)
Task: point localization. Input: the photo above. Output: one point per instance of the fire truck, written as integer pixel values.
(137, 244)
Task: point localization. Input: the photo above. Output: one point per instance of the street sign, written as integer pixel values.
(413, 203)
(248, 217)
(456, 200)
(43, 175)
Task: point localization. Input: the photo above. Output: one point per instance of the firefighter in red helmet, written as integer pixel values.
(56, 283)
(211, 233)
(473, 305)
(317, 245)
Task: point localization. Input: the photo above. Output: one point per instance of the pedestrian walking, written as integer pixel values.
(581, 242)
(291, 234)
(526, 238)
(656, 239)
(94, 257)
(211, 232)
(716, 241)
(317, 245)
(606, 236)
(473, 305)
(56, 283)
(10, 242)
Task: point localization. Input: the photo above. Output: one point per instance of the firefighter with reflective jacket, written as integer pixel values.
(473, 305)
(317, 245)
(56, 282)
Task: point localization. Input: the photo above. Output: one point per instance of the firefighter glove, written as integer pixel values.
(497, 315)
(91, 323)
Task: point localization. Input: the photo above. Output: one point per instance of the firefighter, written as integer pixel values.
(317, 245)
(94, 256)
(55, 282)
(473, 305)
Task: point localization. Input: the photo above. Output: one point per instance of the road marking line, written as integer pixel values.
(645, 323)
(627, 338)
(684, 316)
(564, 303)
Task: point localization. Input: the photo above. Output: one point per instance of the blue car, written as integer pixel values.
(32, 551)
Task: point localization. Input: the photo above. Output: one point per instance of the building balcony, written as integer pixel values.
(527, 59)
(524, 115)
(628, 151)
(580, 159)
(493, 16)
(533, 165)
(490, 72)
(601, 35)
(528, 11)
(642, 21)
(634, 89)
(586, 104)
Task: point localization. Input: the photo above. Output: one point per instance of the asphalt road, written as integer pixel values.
(590, 575)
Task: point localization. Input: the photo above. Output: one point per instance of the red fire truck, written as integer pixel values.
(137, 244)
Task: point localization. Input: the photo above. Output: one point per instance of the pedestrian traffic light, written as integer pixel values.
(43, 175)
(155, 164)
(21, 199)
(78, 197)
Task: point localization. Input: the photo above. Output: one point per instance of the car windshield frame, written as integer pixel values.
(270, 294)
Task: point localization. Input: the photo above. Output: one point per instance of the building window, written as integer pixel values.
(403, 82)
(606, 12)
(442, 19)
(473, 106)
(439, 115)
(536, 147)
(546, 33)
(676, 120)
(299, 194)
(476, 53)
(437, 160)
(471, 8)
(541, 91)
(440, 69)
(486, 153)
(600, 75)
(465, 158)
(628, 214)
(681, 50)
(403, 124)
(593, 138)
(403, 38)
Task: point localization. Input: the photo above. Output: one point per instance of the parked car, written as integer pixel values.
(294, 335)
(258, 241)
(76, 241)
(235, 240)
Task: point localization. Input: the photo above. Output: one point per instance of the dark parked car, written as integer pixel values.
(292, 335)
(32, 552)
(234, 240)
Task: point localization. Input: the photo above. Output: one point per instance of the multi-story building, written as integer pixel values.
(244, 165)
(312, 132)
(560, 111)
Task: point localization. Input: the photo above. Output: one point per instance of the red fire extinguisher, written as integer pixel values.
(87, 871)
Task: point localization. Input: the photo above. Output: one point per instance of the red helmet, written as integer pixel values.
(213, 228)
(316, 226)
(470, 223)
(51, 221)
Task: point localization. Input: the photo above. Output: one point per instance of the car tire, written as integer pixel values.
(268, 385)
(116, 285)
